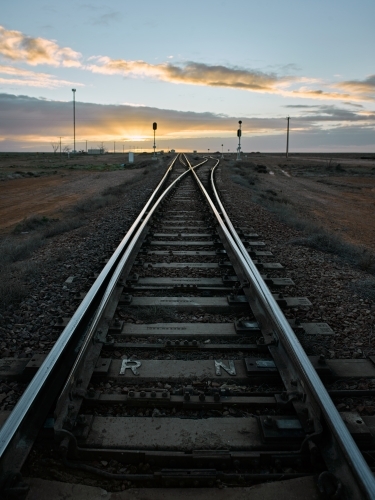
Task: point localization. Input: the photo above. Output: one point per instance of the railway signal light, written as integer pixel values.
(239, 133)
(154, 127)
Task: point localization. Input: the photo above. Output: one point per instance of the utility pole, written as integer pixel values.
(114, 146)
(86, 145)
(222, 151)
(74, 119)
(60, 146)
(287, 138)
(239, 133)
(154, 127)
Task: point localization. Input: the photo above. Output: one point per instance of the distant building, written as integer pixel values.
(173, 150)
(99, 151)
(194, 151)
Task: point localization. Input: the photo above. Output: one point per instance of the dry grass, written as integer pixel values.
(62, 226)
(12, 289)
(16, 280)
(32, 223)
(324, 241)
(16, 250)
(312, 236)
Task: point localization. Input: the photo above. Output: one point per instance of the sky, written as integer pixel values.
(196, 68)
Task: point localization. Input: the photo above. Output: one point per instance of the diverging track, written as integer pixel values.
(179, 367)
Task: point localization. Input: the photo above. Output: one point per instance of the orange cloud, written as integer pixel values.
(320, 94)
(18, 76)
(193, 73)
(16, 46)
(363, 88)
(190, 73)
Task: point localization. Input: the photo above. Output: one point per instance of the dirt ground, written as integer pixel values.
(336, 192)
(46, 184)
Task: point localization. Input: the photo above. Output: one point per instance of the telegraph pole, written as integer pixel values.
(60, 146)
(222, 152)
(114, 146)
(287, 138)
(239, 133)
(86, 145)
(74, 119)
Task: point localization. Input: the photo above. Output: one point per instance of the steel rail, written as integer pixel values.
(22, 411)
(290, 341)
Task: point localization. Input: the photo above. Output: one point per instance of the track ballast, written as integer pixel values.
(179, 368)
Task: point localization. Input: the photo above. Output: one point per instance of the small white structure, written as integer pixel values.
(173, 151)
(131, 157)
(98, 151)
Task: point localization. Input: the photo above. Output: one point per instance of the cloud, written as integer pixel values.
(107, 18)
(320, 94)
(353, 104)
(301, 106)
(192, 73)
(19, 117)
(25, 77)
(16, 46)
(111, 121)
(331, 114)
(29, 123)
(363, 88)
(328, 113)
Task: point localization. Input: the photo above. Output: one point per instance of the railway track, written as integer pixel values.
(179, 368)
